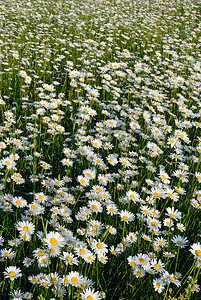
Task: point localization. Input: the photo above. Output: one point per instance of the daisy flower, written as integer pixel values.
(90, 294)
(112, 159)
(99, 247)
(172, 213)
(74, 278)
(158, 285)
(196, 250)
(69, 258)
(4, 254)
(26, 227)
(198, 176)
(84, 181)
(12, 273)
(19, 202)
(95, 206)
(126, 216)
(54, 240)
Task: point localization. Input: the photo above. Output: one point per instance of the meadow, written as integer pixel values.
(100, 149)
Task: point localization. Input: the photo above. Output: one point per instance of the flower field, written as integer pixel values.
(100, 149)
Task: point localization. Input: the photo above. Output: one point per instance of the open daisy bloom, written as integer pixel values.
(12, 273)
(74, 278)
(90, 294)
(54, 240)
(196, 250)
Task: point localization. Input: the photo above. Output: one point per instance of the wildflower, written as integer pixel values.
(99, 247)
(27, 261)
(54, 240)
(69, 258)
(4, 253)
(172, 213)
(198, 176)
(26, 227)
(83, 180)
(158, 285)
(90, 294)
(74, 278)
(158, 266)
(131, 195)
(196, 250)
(17, 295)
(126, 216)
(89, 257)
(95, 206)
(12, 273)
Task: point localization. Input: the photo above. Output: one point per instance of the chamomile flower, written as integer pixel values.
(54, 240)
(12, 273)
(7, 254)
(196, 250)
(172, 213)
(158, 285)
(69, 258)
(126, 216)
(99, 247)
(84, 181)
(90, 294)
(26, 227)
(74, 279)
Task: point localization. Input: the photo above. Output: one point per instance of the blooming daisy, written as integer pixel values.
(99, 247)
(12, 273)
(54, 240)
(126, 216)
(158, 285)
(74, 278)
(90, 294)
(196, 250)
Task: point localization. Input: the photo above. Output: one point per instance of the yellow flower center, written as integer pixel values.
(26, 228)
(172, 215)
(171, 278)
(74, 280)
(180, 243)
(18, 202)
(156, 266)
(198, 252)
(69, 259)
(158, 285)
(53, 242)
(141, 260)
(95, 207)
(125, 218)
(99, 246)
(12, 274)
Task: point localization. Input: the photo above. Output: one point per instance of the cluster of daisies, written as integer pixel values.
(100, 148)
